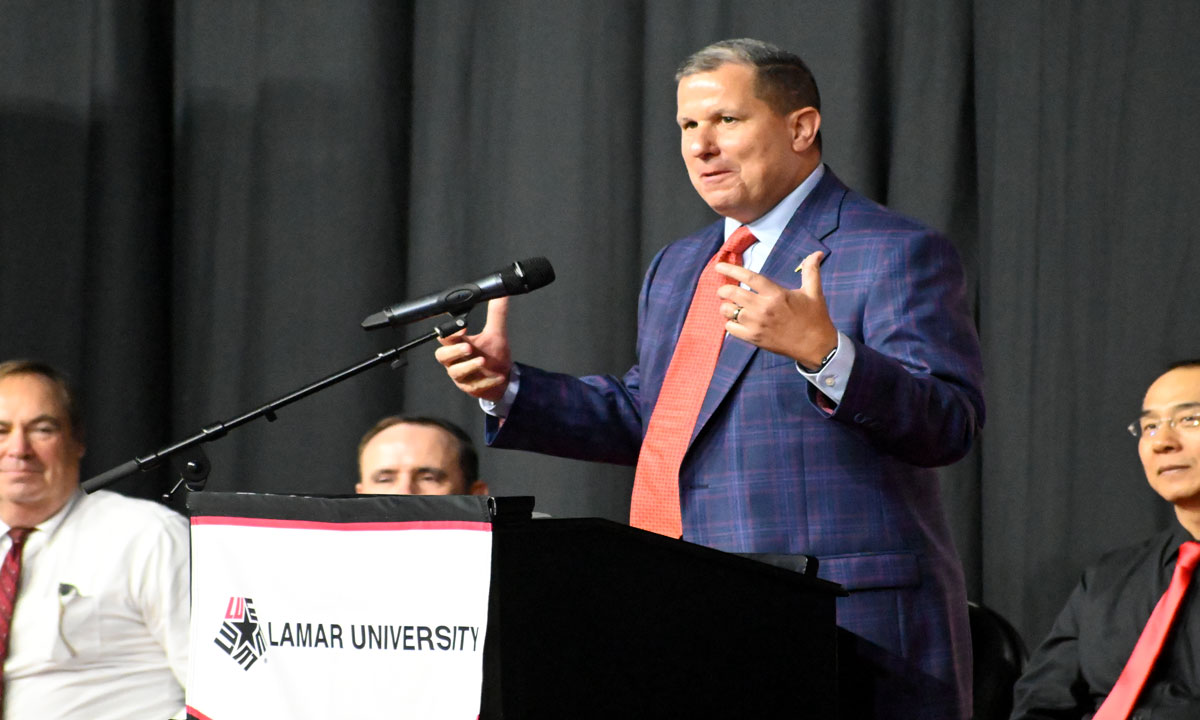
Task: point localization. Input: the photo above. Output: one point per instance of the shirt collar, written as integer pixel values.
(770, 226)
(1179, 535)
(50, 524)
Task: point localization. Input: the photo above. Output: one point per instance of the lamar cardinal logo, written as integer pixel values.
(240, 635)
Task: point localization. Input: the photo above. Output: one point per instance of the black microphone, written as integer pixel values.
(520, 277)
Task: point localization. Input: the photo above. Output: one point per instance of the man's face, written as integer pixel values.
(39, 456)
(1171, 456)
(409, 459)
(741, 156)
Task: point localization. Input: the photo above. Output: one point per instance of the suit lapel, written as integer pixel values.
(815, 219)
(684, 285)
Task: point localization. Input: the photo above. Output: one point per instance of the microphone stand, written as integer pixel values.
(188, 458)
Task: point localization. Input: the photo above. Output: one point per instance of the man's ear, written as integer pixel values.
(804, 124)
(76, 444)
(479, 488)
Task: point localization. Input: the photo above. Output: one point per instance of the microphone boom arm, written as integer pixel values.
(194, 472)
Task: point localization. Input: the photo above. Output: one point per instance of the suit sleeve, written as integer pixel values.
(596, 418)
(591, 418)
(1053, 686)
(915, 390)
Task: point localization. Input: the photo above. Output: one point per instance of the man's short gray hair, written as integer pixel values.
(62, 386)
(782, 80)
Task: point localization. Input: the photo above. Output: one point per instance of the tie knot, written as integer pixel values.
(1189, 553)
(737, 243)
(18, 534)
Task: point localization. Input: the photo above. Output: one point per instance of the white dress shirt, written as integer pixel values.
(100, 629)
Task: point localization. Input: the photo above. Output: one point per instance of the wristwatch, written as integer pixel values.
(824, 361)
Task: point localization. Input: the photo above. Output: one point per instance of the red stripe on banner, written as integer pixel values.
(194, 713)
(315, 525)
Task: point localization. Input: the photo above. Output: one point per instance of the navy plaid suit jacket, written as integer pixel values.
(768, 470)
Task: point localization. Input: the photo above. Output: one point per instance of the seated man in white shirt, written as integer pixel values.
(100, 623)
(410, 455)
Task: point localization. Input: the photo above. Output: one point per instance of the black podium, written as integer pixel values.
(594, 619)
(586, 618)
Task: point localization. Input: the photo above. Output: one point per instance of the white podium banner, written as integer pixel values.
(303, 619)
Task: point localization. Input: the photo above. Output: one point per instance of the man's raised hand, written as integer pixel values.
(480, 364)
(794, 323)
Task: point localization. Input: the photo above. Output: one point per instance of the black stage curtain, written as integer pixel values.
(200, 200)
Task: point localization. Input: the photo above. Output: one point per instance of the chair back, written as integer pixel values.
(1000, 657)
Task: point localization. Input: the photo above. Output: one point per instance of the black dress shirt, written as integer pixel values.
(1073, 670)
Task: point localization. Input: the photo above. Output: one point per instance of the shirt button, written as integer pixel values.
(830, 380)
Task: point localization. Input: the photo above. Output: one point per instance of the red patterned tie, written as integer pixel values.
(1120, 701)
(10, 576)
(655, 505)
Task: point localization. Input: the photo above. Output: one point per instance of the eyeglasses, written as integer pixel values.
(1150, 427)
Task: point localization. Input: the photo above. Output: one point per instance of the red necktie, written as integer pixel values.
(1120, 701)
(10, 577)
(655, 505)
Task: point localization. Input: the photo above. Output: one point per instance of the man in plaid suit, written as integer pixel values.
(850, 369)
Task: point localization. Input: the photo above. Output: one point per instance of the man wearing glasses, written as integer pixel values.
(1126, 644)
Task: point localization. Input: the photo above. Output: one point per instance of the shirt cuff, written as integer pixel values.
(501, 407)
(831, 380)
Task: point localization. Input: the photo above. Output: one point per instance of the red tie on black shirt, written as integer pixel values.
(10, 577)
(655, 505)
(1124, 694)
